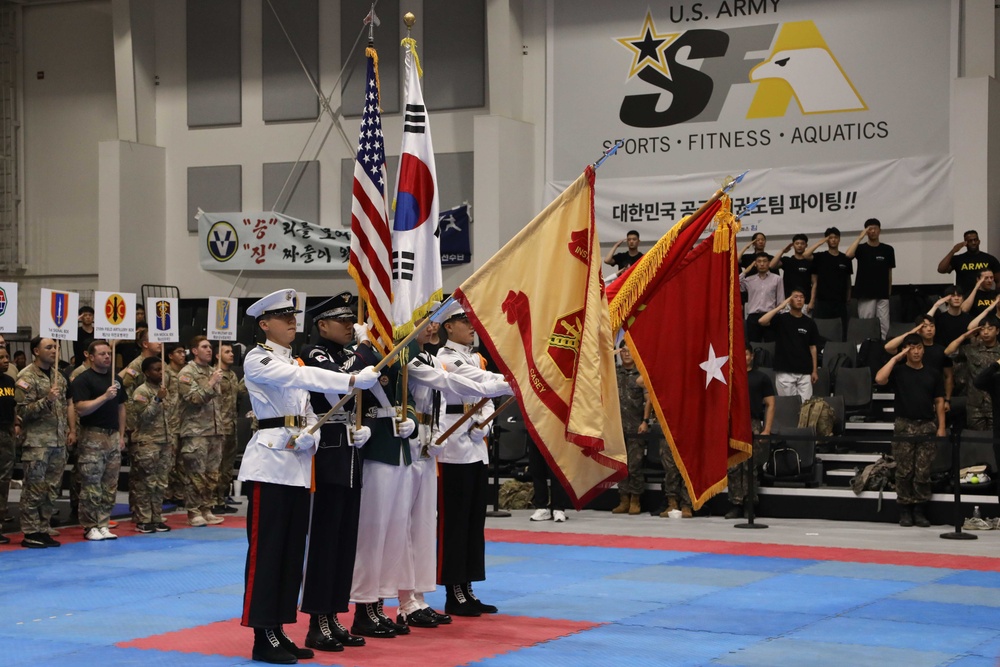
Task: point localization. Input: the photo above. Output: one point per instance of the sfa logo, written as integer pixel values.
(800, 67)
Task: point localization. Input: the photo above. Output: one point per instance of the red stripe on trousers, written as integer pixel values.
(252, 555)
(440, 532)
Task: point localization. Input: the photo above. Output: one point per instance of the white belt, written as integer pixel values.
(378, 413)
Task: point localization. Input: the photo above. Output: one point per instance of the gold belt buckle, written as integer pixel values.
(293, 421)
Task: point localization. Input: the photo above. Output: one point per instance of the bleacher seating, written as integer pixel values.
(830, 328)
(861, 329)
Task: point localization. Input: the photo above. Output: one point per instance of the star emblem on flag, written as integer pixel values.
(713, 367)
(648, 48)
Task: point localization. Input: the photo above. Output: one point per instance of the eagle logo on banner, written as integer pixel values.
(163, 316)
(114, 309)
(58, 307)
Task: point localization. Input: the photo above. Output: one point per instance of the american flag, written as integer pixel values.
(371, 244)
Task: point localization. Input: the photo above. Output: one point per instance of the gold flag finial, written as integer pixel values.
(409, 19)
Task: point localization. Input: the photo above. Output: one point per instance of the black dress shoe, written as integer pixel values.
(457, 604)
(267, 648)
(224, 509)
(398, 628)
(320, 637)
(290, 646)
(48, 541)
(368, 624)
(418, 619)
(442, 619)
(4, 539)
(341, 634)
(483, 607)
(34, 541)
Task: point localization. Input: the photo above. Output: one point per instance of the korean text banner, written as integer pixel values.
(8, 307)
(269, 241)
(818, 95)
(58, 318)
(114, 315)
(162, 313)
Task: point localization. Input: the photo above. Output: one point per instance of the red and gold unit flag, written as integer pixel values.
(683, 322)
(539, 307)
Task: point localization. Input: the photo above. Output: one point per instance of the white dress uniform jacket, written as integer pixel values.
(280, 387)
(460, 361)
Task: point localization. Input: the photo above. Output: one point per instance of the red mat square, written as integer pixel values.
(465, 640)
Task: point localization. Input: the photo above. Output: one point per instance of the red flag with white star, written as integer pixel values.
(687, 340)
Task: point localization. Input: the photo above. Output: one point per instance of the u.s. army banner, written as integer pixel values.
(840, 110)
(269, 241)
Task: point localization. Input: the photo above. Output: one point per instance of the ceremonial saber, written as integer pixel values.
(420, 326)
(503, 406)
(461, 420)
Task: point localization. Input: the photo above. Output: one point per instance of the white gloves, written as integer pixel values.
(405, 428)
(366, 377)
(360, 333)
(304, 441)
(360, 436)
(479, 434)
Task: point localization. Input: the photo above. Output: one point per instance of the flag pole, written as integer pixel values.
(503, 406)
(461, 420)
(392, 354)
(608, 153)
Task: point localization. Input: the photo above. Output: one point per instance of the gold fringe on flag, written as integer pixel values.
(727, 225)
(401, 331)
(644, 272)
(411, 44)
(370, 52)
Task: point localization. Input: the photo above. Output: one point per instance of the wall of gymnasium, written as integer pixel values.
(77, 106)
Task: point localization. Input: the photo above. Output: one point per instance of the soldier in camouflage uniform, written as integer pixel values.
(150, 449)
(100, 402)
(919, 409)
(979, 354)
(230, 389)
(49, 428)
(132, 375)
(761, 418)
(176, 360)
(201, 436)
(674, 490)
(632, 398)
(74, 475)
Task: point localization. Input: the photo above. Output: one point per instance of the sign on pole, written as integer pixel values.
(161, 313)
(58, 319)
(114, 316)
(222, 318)
(8, 307)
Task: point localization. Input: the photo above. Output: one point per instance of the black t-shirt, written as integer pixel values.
(915, 391)
(7, 402)
(796, 274)
(936, 359)
(623, 260)
(760, 388)
(984, 298)
(875, 264)
(89, 385)
(792, 338)
(948, 327)
(749, 258)
(833, 276)
(968, 266)
(81, 343)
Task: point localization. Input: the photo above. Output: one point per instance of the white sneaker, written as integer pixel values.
(542, 515)
(107, 534)
(94, 534)
(558, 516)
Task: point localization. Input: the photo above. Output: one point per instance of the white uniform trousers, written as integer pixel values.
(382, 560)
(421, 574)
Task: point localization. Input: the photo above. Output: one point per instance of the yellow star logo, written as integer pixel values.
(647, 48)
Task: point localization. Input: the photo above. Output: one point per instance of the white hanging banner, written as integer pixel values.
(58, 314)
(8, 307)
(815, 99)
(222, 318)
(161, 314)
(114, 315)
(269, 241)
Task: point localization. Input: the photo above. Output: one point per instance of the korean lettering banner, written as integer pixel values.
(114, 315)
(161, 313)
(58, 314)
(269, 241)
(816, 99)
